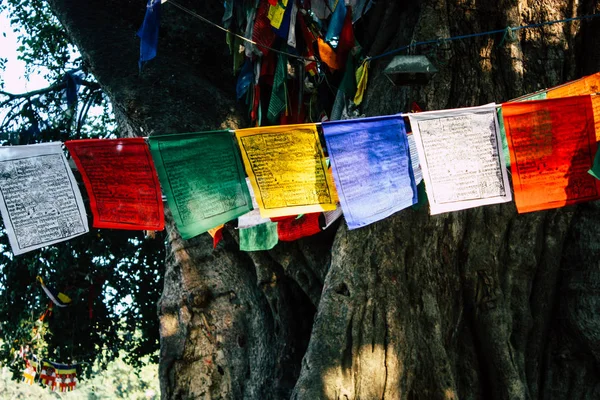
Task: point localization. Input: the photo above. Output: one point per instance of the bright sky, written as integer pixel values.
(13, 76)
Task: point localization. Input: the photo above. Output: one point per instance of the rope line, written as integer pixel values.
(411, 46)
(200, 17)
(488, 33)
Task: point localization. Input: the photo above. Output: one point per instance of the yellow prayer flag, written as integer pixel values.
(276, 14)
(287, 169)
(362, 76)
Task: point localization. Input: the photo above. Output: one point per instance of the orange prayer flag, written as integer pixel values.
(328, 55)
(552, 144)
(587, 85)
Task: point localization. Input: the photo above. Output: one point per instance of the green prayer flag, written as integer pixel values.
(278, 94)
(259, 237)
(595, 171)
(203, 178)
(505, 151)
(348, 83)
(421, 196)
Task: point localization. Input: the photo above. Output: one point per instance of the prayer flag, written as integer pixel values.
(121, 182)
(296, 227)
(461, 158)
(336, 23)
(362, 77)
(371, 167)
(253, 217)
(203, 179)
(39, 198)
(148, 32)
(287, 169)
(535, 96)
(259, 237)
(587, 85)
(552, 144)
(278, 99)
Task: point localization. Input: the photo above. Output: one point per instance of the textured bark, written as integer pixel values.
(478, 304)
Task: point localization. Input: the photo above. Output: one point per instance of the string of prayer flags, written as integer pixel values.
(203, 179)
(58, 377)
(296, 227)
(462, 161)
(148, 32)
(259, 237)
(121, 182)
(371, 167)
(58, 298)
(287, 169)
(586, 85)
(39, 198)
(552, 145)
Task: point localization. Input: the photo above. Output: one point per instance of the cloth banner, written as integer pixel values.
(461, 158)
(203, 179)
(40, 202)
(535, 96)
(296, 227)
(552, 144)
(148, 32)
(259, 237)
(253, 217)
(586, 85)
(371, 167)
(121, 181)
(287, 169)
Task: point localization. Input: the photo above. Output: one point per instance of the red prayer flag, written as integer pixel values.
(294, 228)
(262, 33)
(121, 181)
(552, 145)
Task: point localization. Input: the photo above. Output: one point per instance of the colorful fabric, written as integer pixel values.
(58, 298)
(121, 182)
(552, 145)
(203, 179)
(287, 169)
(278, 101)
(148, 32)
(259, 237)
(371, 167)
(461, 157)
(39, 198)
(296, 227)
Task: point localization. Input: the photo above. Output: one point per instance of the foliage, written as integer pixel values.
(113, 277)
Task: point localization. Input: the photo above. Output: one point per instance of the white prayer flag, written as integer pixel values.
(461, 157)
(39, 198)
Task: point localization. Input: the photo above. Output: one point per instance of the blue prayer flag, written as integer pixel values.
(336, 24)
(148, 32)
(371, 167)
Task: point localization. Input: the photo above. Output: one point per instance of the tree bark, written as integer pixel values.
(477, 304)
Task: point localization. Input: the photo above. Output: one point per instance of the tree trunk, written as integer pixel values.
(477, 304)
